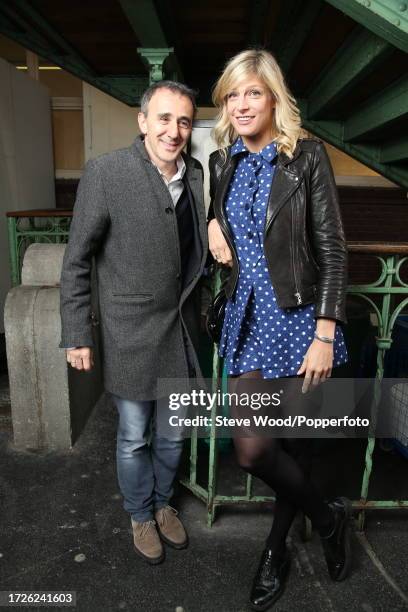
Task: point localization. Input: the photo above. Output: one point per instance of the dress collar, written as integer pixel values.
(268, 153)
(238, 147)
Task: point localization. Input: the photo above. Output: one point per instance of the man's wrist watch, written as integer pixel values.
(325, 339)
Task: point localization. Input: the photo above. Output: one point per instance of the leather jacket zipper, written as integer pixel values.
(293, 230)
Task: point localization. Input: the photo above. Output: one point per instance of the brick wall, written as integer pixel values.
(377, 214)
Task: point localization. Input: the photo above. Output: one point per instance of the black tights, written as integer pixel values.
(283, 464)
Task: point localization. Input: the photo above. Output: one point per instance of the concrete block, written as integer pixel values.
(42, 264)
(50, 402)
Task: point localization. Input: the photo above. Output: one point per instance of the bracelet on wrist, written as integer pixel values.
(325, 339)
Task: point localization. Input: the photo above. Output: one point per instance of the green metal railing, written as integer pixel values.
(26, 227)
(388, 285)
(29, 226)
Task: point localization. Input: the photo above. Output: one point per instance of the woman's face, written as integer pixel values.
(250, 107)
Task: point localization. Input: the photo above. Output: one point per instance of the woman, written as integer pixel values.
(275, 222)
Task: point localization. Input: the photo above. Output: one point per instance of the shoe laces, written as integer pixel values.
(146, 527)
(165, 512)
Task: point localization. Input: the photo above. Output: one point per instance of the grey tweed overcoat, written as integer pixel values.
(124, 219)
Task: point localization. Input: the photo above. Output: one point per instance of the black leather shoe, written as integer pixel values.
(336, 546)
(269, 582)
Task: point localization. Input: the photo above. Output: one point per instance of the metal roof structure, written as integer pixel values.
(345, 60)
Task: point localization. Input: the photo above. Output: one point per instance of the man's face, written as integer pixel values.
(167, 125)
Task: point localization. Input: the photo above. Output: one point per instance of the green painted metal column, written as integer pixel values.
(154, 58)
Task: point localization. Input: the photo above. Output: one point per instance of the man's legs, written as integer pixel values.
(133, 458)
(167, 447)
(146, 474)
(136, 477)
(166, 453)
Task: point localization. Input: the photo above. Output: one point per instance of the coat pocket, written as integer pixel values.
(133, 297)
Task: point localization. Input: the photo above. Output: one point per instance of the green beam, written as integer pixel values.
(395, 150)
(257, 20)
(360, 54)
(165, 12)
(295, 20)
(386, 18)
(379, 111)
(112, 86)
(286, 18)
(145, 22)
(133, 86)
(368, 154)
(22, 10)
(297, 31)
(12, 21)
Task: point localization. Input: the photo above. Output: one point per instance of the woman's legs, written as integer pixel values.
(285, 511)
(283, 465)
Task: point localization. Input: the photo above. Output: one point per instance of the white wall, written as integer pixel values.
(108, 123)
(26, 155)
(202, 145)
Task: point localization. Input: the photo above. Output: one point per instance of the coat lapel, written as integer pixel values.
(160, 190)
(284, 184)
(195, 180)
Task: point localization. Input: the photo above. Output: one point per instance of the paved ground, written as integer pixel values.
(63, 528)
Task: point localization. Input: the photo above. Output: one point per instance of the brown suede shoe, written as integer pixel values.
(170, 528)
(147, 542)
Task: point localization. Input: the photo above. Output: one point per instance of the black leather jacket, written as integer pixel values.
(304, 242)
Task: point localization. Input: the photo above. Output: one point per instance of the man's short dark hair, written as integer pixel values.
(173, 86)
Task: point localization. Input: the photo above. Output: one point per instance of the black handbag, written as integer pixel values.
(215, 316)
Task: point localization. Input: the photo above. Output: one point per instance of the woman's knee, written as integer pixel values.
(253, 458)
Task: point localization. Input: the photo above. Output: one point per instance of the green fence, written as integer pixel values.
(53, 226)
(29, 226)
(386, 287)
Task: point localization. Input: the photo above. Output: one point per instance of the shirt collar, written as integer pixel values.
(268, 153)
(238, 147)
(181, 169)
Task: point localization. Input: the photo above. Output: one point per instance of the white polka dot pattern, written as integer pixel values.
(257, 334)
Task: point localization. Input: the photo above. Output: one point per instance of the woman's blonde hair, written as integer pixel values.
(261, 63)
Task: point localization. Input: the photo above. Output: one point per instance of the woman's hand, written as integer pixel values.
(317, 364)
(218, 245)
(318, 361)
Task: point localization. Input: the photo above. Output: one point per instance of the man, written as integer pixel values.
(140, 215)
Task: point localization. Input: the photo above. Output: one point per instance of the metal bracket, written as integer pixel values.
(154, 58)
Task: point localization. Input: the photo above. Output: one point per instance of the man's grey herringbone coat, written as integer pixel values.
(124, 218)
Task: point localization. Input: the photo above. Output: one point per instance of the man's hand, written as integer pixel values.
(218, 245)
(81, 358)
(317, 364)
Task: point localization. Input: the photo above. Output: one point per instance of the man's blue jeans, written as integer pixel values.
(146, 464)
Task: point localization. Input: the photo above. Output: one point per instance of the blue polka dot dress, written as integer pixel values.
(257, 334)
